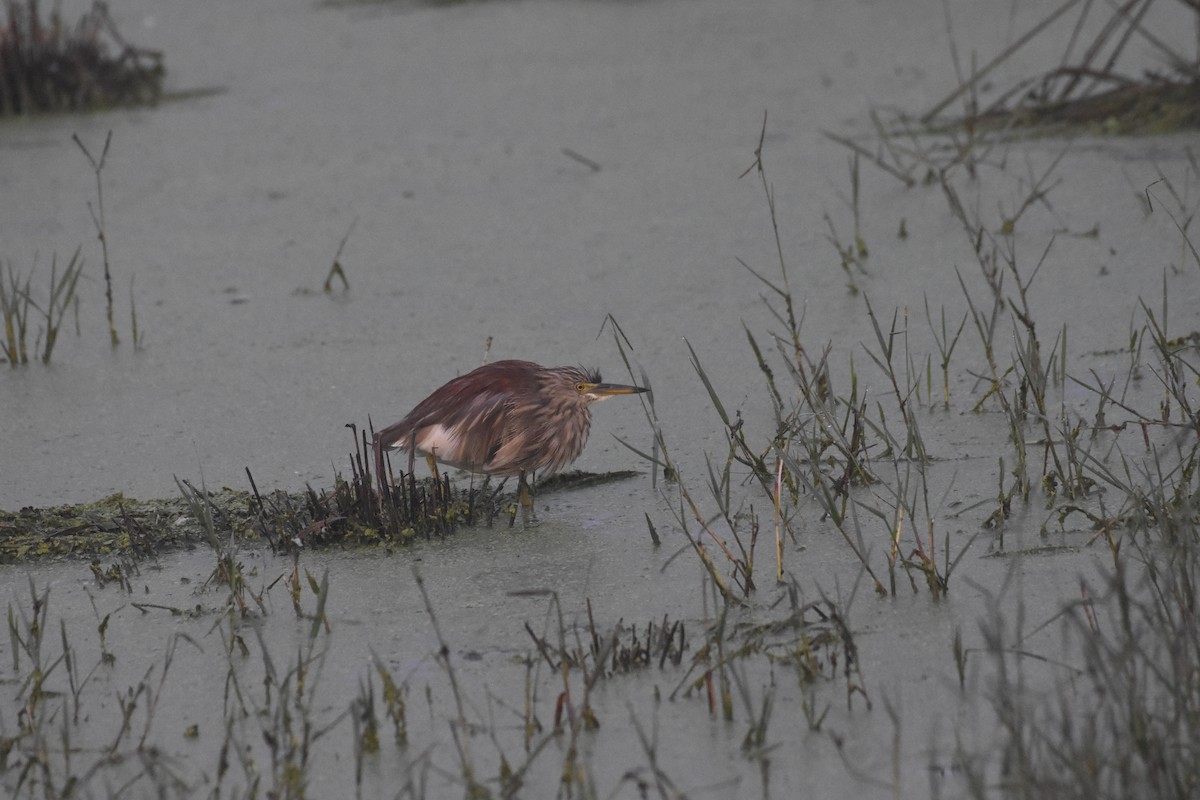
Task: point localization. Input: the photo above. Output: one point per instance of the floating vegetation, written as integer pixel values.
(115, 526)
(349, 513)
(48, 66)
(120, 526)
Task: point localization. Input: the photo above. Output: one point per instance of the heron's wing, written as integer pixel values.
(466, 433)
(470, 434)
(464, 422)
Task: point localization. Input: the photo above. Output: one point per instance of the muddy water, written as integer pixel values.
(440, 134)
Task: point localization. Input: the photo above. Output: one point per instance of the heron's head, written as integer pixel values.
(587, 385)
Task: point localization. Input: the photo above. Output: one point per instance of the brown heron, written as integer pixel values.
(505, 418)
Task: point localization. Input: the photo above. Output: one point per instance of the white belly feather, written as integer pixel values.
(440, 442)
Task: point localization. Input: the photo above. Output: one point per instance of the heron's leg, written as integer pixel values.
(526, 498)
(436, 487)
(524, 502)
(524, 494)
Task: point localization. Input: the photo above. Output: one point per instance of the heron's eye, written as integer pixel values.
(581, 387)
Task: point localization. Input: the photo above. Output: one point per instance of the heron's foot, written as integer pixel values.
(528, 517)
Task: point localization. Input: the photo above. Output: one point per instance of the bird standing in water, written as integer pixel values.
(504, 418)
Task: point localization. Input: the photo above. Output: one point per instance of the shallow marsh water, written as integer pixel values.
(484, 589)
(442, 131)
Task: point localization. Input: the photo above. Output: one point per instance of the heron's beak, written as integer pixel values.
(611, 389)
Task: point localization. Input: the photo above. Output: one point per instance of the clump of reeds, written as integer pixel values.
(1123, 719)
(17, 297)
(48, 65)
(16, 300)
(367, 508)
(1089, 86)
(823, 448)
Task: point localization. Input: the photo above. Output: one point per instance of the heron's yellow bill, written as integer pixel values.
(610, 389)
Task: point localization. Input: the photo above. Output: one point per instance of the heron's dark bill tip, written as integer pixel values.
(615, 388)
